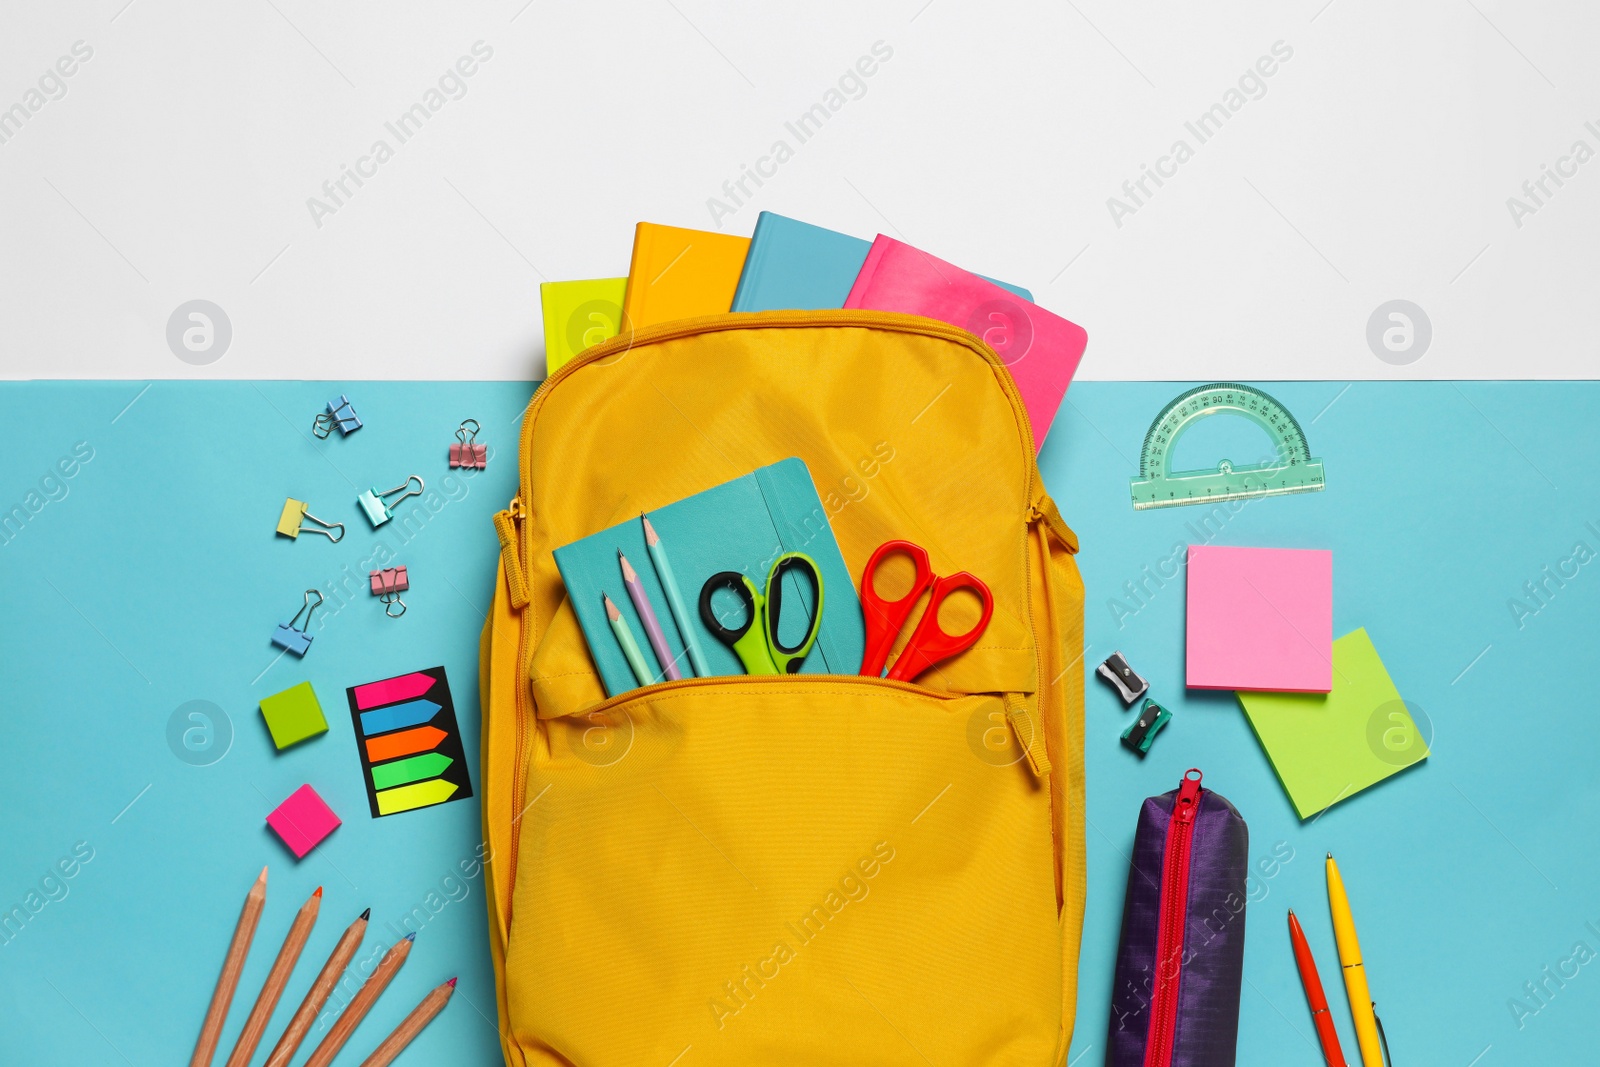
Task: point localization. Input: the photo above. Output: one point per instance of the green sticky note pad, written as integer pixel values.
(1327, 747)
(293, 715)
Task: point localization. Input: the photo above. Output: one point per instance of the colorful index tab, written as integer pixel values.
(390, 690)
(410, 769)
(404, 743)
(421, 795)
(395, 716)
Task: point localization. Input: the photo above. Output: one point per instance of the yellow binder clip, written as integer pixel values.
(294, 512)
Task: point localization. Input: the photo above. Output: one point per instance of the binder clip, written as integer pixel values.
(1139, 736)
(1123, 678)
(467, 452)
(287, 637)
(387, 585)
(289, 523)
(340, 416)
(378, 510)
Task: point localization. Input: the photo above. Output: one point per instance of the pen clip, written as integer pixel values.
(1383, 1038)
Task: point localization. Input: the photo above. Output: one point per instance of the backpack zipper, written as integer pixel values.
(1174, 906)
(912, 324)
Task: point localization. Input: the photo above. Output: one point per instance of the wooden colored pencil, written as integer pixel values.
(647, 615)
(317, 995)
(669, 585)
(232, 965)
(293, 943)
(407, 1031)
(361, 1003)
(630, 647)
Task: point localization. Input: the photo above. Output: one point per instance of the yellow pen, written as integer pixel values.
(1355, 975)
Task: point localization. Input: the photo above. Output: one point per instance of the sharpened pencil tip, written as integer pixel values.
(650, 535)
(318, 893)
(412, 936)
(451, 983)
(366, 915)
(262, 877)
(611, 609)
(628, 573)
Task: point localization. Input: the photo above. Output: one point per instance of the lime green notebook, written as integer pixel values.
(579, 315)
(1326, 747)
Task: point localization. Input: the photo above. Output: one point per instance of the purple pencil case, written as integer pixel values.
(1180, 962)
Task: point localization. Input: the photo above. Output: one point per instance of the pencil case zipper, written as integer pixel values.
(1174, 909)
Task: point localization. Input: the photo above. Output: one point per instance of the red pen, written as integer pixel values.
(1317, 1000)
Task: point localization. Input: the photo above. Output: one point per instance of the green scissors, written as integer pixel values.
(759, 647)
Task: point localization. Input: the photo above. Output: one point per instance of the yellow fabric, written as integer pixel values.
(676, 273)
(805, 870)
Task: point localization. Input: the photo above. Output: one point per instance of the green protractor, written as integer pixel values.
(1291, 470)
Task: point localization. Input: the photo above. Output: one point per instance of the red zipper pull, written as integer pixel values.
(1188, 795)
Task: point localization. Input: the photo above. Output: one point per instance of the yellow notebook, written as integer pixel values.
(579, 314)
(678, 274)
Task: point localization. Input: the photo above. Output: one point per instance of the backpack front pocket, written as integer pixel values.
(787, 870)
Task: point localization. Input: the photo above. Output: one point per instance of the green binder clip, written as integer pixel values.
(1152, 717)
(378, 509)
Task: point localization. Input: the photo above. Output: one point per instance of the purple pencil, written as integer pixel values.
(647, 615)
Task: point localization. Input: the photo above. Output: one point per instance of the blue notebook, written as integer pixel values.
(742, 525)
(796, 265)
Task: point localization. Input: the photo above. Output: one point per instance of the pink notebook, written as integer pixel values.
(1040, 349)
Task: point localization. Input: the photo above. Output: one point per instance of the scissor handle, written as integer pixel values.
(930, 643)
(748, 641)
(787, 658)
(885, 618)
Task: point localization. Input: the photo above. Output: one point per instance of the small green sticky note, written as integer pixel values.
(1326, 747)
(293, 715)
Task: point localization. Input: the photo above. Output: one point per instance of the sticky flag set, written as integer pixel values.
(409, 742)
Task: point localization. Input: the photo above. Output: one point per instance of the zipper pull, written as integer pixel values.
(1044, 510)
(1188, 796)
(508, 525)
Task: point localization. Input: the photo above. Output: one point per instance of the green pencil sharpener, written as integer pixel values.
(1152, 718)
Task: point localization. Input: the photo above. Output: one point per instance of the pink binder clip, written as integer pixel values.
(387, 585)
(467, 452)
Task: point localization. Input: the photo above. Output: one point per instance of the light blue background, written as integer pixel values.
(157, 580)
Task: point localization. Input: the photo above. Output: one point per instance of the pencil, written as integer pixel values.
(407, 1031)
(361, 1003)
(669, 585)
(228, 981)
(630, 647)
(647, 615)
(293, 943)
(317, 995)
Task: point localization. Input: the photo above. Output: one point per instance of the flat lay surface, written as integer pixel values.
(143, 588)
(1247, 191)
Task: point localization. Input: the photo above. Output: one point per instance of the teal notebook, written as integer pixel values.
(742, 525)
(795, 265)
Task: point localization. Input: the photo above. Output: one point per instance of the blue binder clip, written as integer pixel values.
(287, 637)
(340, 416)
(378, 511)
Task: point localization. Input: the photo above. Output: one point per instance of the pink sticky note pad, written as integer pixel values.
(303, 821)
(1260, 618)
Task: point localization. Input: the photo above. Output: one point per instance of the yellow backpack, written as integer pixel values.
(801, 869)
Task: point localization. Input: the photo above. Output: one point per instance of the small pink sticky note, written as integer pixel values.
(1260, 618)
(303, 821)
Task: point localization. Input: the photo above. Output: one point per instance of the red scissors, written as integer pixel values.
(929, 643)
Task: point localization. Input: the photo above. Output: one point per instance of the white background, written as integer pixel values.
(1376, 165)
